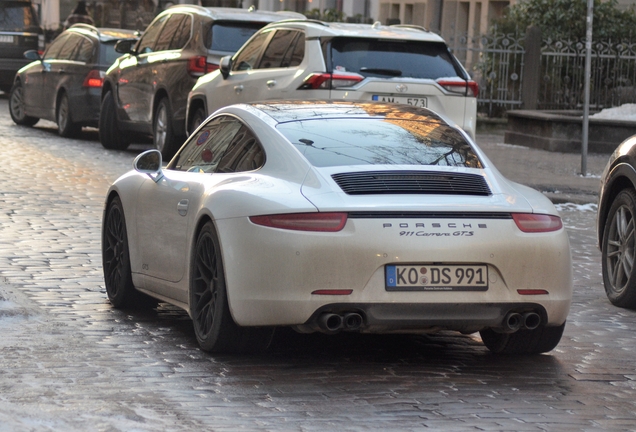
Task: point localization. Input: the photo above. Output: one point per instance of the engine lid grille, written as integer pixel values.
(412, 182)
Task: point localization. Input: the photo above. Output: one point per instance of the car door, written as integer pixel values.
(60, 72)
(265, 70)
(166, 209)
(35, 77)
(134, 83)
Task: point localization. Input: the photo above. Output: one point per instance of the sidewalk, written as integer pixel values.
(557, 175)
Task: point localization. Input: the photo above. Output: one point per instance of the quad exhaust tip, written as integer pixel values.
(333, 322)
(515, 321)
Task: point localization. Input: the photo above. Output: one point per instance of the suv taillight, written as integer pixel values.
(94, 78)
(199, 66)
(469, 88)
(326, 81)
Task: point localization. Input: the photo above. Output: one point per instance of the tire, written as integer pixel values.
(619, 251)
(537, 341)
(16, 107)
(162, 132)
(109, 134)
(65, 126)
(214, 327)
(197, 118)
(116, 262)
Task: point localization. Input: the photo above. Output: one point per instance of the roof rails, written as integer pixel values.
(88, 27)
(308, 20)
(410, 26)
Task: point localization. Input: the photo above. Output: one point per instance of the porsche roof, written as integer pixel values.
(294, 110)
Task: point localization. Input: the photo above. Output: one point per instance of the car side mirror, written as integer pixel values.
(125, 46)
(32, 55)
(225, 65)
(149, 162)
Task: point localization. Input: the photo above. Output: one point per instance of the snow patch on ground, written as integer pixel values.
(623, 112)
(576, 207)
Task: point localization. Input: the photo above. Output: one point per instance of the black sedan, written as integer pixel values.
(616, 225)
(64, 85)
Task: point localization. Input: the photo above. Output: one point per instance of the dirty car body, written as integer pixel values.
(340, 216)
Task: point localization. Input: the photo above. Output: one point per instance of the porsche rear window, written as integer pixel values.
(393, 58)
(338, 142)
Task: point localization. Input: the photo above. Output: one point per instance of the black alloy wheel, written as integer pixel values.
(619, 251)
(214, 327)
(16, 106)
(116, 258)
(524, 341)
(109, 134)
(65, 126)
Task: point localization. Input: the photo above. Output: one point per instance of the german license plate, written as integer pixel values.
(6, 39)
(436, 277)
(415, 101)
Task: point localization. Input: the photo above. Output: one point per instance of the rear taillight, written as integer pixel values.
(199, 66)
(469, 88)
(327, 81)
(323, 222)
(95, 78)
(535, 223)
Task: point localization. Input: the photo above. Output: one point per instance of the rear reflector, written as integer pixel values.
(536, 223)
(95, 78)
(469, 88)
(532, 292)
(326, 81)
(322, 222)
(333, 292)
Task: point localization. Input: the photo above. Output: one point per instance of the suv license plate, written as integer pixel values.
(6, 39)
(436, 277)
(415, 101)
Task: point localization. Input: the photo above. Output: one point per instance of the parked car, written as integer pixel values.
(616, 225)
(20, 31)
(337, 216)
(146, 90)
(315, 60)
(64, 85)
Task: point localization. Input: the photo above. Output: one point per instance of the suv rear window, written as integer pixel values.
(230, 36)
(17, 16)
(393, 58)
(379, 142)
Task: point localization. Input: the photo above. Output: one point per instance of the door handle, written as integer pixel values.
(182, 207)
(238, 88)
(271, 83)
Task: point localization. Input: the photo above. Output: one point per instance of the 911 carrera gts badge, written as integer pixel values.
(436, 229)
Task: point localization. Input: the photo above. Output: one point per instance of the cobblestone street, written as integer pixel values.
(70, 362)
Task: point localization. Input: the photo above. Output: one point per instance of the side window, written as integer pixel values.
(243, 154)
(276, 51)
(204, 150)
(55, 47)
(67, 51)
(168, 32)
(183, 34)
(247, 57)
(147, 41)
(296, 53)
(85, 52)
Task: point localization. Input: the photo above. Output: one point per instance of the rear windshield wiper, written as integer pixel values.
(380, 71)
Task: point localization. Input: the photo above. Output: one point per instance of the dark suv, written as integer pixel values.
(19, 32)
(146, 90)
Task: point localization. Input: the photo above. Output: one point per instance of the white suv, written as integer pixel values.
(315, 60)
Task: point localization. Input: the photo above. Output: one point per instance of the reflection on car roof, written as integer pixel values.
(294, 110)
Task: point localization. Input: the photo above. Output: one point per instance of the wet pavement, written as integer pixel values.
(69, 361)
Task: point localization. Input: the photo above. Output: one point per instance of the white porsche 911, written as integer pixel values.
(337, 216)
